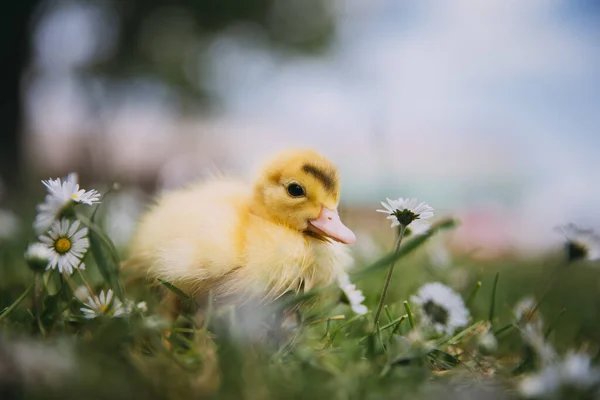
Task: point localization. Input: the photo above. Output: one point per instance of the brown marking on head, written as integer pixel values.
(325, 177)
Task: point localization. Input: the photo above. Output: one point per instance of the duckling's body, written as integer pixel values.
(227, 237)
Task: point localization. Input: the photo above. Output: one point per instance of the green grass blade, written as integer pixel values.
(411, 319)
(16, 303)
(554, 323)
(407, 248)
(176, 290)
(454, 339)
(473, 294)
(493, 302)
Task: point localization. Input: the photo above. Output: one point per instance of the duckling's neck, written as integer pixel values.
(258, 208)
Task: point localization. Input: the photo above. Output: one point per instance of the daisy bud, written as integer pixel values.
(488, 344)
(37, 257)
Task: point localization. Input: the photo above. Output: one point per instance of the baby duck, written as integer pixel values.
(241, 241)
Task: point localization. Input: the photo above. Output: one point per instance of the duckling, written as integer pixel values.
(246, 241)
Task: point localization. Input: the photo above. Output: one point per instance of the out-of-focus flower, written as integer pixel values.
(526, 314)
(581, 243)
(62, 194)
(573, 376)
(122, 212)
(9, 225)
(488, 344)
(37, 256)
(103, 305)
(69, 190)
(439, 256)
(531, 326)
(67, 246)
(82, 293)
(441, 308)
(38, 363)
(408, 213)
(142, 307)
(354, 296)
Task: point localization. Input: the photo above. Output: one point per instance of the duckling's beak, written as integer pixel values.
(329, 224)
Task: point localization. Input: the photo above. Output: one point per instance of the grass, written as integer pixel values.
(48, 350)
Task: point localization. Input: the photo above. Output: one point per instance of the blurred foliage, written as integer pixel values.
(162, 39)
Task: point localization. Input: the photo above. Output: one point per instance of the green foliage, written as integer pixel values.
(211, 350)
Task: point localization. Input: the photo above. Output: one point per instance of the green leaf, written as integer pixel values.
(98, 241)
(178, 292)
(108, 272)
(406, 249)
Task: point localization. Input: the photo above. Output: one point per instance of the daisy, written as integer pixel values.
(581, 243)
(531, 327)
(408, 212)
(354, 296)
(103, 305)
(441, 308)
(61, 195)
(573, 377)
(37, 256)
(526, 314)
(67, 246)
(69, 190)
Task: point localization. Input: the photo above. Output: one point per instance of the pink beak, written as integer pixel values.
(330, 225)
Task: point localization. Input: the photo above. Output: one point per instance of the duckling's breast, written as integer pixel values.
(278, 259)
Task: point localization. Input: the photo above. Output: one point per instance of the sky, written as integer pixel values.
(464, 104)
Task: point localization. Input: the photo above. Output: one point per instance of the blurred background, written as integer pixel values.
(485, 110)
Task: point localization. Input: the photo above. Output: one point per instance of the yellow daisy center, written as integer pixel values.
(104, 308)
(74, 196)
(529, 315)
(62, 245)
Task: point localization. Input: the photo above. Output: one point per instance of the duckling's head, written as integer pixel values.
(300, 188)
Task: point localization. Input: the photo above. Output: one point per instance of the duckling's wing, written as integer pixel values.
(192, 236)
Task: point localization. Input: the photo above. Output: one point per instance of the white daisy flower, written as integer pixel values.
(441, 308)
(37, 256)
(408, 213)
(355, 297)
(69, 190)
(142, 307)
(61, 195)
(581, 243)
(67, 246)
(526, 315)
(574, 375)
(531, 326)
(103, 305)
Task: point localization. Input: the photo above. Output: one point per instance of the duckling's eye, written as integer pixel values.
(295, 190)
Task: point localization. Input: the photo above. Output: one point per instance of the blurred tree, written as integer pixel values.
(157, 39)
(15, 45)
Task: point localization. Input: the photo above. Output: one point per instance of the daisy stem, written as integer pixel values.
(387, 312)
(389, 277)
(85, 282)
(14, 305)
(37, 294)
(549, 285)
